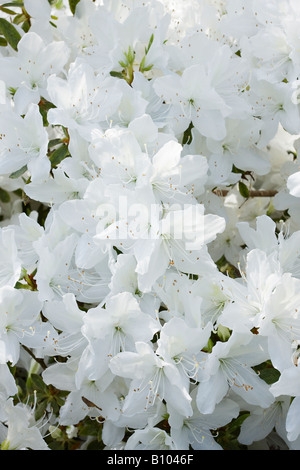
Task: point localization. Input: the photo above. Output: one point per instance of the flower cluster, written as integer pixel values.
(149, 224)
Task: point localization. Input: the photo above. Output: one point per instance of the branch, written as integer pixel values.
(252, 193)
(39, 361)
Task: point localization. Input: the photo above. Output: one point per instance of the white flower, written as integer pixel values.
(198, 431)
(29, 70)
(83, 100)
(280, 321)
(206, 106)
(20, 323)
(288, 385)
(66, 317)
(150, 438)
(113, 329)
(26, 233)
(10, 268)
(261, 421)
(152, 380)
(24, 141)
(293, 184)
(229, 366)
(23, 432)
(8, 387)
(181, 345)
(262, 274)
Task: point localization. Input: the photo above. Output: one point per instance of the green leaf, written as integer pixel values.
(146, 69)
(19, 285)
(10, 33)
(3, 42)
(44, 107)
(236, 170)
(73, 4)
(142, 65)
(41, 409)
(269, 375)
(26, 26)
(89, 429)
(56, 445)
(7, 10)
(95, 445)
(187, 135)
(243, 189)
(116, 74)
(18, 19)
(4, 196)
(13, 4)
(54, 142)
(149, 44)
(38, 383)
(12, 90)
(59, 155)
(123, 64)
(18, 173)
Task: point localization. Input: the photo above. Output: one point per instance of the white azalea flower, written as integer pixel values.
(83, 100)
(230, 366)
(152, 380)
(24, 141)
(23, 432)
(20, 323)
(29, 70)
(113, 329)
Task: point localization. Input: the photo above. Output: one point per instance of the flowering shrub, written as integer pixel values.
(150, 224)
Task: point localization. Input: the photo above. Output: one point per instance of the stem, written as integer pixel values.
(39, 361)
(252, 193)
(130, 73)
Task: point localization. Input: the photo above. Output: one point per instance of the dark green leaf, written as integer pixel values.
(269, 375)
(3, 42)
(4, 195)
(95, 445)
(13, 4)
(38, 383)
(59, 155)
(10, 33)
(243, 189)
(236, 170)
(40, 409)
(54, 142)
(44, 107)
(7, 10)
(187, 136)
(56, 445)
(116, 74)
(73, 4)
(26, 25)
(90, 429)
(19, 285)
